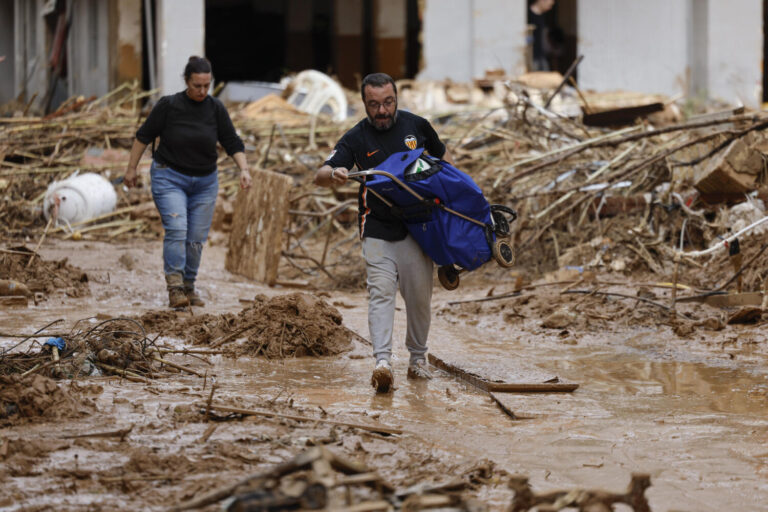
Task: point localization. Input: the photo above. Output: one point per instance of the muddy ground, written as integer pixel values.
(681, 396)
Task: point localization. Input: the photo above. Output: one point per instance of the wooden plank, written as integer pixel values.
(621, 116)
(14, 300)
(734, 300)
(532, 387)
(476, 381)
(260, 214)
(501, 387)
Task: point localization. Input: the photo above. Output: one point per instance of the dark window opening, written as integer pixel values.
(264, 41)
(765, 49)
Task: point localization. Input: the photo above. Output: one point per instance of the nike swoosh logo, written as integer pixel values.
(372, 152)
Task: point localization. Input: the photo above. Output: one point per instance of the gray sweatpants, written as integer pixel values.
(389, 264)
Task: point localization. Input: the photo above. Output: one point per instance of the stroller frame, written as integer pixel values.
(501, 249)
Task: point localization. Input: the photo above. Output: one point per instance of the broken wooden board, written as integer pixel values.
(260, 214)
(734, 300)
(496, 383)
(14, 300)
(621, 116)
(727, 300)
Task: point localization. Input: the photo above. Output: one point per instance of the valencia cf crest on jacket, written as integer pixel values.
(410, 142)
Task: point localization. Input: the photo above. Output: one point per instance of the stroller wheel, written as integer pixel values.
(503, 253)
(448, 276)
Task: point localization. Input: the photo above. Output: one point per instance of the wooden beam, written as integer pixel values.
(501, 387)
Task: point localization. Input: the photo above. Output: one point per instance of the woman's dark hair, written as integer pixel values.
(196, 64)
(377, 80)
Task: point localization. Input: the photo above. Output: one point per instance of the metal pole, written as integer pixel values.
(149, 29)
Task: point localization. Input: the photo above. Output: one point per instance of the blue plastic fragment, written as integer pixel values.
(57, 342)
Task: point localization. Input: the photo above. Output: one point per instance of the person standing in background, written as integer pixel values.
(537, 10)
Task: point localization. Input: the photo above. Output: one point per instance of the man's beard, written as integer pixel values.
(383, 122)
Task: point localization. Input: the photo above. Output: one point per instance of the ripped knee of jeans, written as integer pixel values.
(195, 246)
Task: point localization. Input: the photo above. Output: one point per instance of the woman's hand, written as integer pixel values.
(130, 177)
(245, 179)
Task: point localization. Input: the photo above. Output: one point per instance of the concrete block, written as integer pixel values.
(732, 171)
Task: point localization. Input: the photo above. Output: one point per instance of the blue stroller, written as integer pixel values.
(444, 211)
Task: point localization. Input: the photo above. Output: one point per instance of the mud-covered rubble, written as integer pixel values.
(136, 467)
(39, 398)
(608, 218)
(40, 276)
(292, 325)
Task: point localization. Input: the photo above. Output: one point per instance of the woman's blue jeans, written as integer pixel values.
(186, 205)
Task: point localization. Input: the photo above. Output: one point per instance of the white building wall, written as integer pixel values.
(637, 46)
(708, 47)
(735, 51)
(464, 38)
(494, 22)
(180, 33)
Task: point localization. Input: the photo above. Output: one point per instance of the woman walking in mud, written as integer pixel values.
(184, 175)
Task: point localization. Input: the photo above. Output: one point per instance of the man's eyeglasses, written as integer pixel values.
(375, 105)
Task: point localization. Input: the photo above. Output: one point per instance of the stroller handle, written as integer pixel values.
(374, 172)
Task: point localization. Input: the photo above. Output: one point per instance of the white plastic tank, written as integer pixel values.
(79, 198)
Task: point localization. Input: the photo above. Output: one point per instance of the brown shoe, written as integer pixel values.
(177, 298)
(192, 296)
(382, 378)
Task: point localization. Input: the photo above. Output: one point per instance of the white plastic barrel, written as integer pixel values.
(79, 198)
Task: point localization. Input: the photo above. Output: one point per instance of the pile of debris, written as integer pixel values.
(36, 151)
(651, 185)
(23, 273)
(640, 179)
(320, 479)
(292, 325)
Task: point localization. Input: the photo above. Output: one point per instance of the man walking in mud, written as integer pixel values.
(391, 255)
